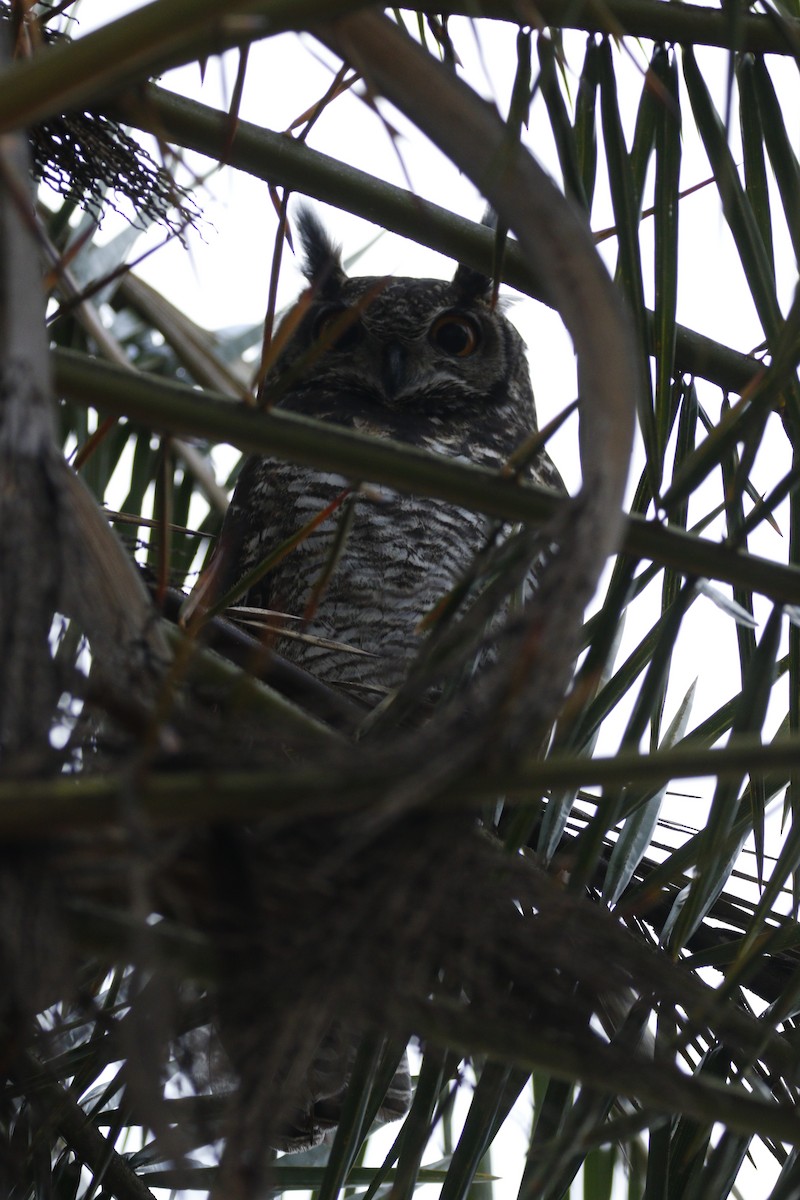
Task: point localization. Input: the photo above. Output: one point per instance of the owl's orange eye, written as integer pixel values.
(337, 328)
(456, 334)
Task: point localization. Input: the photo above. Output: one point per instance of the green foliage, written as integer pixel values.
(710, 897)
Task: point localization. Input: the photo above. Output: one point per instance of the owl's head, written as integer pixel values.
(401, 345)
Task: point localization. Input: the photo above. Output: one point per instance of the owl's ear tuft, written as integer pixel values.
(323, 264)
(470, 285)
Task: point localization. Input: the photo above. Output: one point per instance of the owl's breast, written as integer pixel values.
(364, 579)
(356, 588)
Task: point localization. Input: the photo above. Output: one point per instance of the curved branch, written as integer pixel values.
(552, 236)
(286, 162)
(143, 43)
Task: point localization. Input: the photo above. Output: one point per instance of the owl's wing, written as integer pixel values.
(249, 508)
(546, 474)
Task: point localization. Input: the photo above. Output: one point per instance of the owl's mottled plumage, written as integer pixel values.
(422, 361)
(425, 362)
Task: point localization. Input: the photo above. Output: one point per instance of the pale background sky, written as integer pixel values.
(223, 282)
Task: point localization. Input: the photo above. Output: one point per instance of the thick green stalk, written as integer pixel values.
(37, 808)
(285, 162)
(172, 406)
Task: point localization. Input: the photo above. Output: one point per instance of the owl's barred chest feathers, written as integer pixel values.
(423, 362)
(401, 557)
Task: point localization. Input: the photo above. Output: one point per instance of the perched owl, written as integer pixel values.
(421, 361)
(425, 362)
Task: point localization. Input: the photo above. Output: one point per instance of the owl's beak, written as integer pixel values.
(394, 372)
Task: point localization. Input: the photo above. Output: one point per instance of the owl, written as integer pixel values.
(426, 362)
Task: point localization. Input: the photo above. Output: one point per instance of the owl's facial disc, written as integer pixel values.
(401, 372)
(397, 356)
